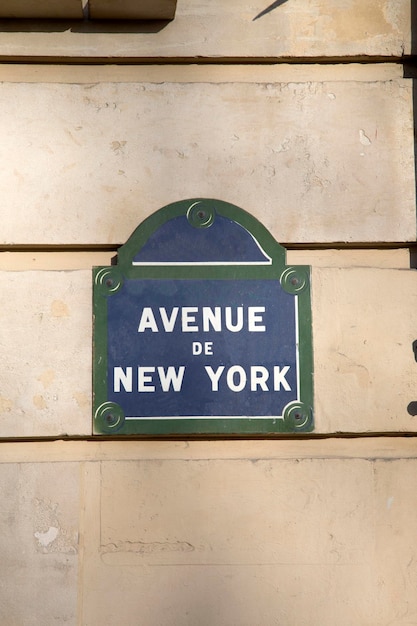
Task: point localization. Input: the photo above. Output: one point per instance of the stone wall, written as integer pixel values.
(302, 114)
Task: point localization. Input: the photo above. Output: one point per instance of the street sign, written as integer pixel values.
(202, 329)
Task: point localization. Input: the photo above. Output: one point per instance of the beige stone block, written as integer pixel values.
(39, 543)
(158, 533)
(396, 519)
(385, 258)
(64, 261)
(315, 162)
(365, 371)
(363, 333)
(132, 9)
(382, 448)
(45, 342)
(237, 30)
(250, 542)
(298, 528)
(56, 9)
(197, 73)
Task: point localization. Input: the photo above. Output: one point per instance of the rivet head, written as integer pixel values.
(200, 215)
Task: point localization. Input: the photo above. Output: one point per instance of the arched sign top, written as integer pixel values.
(200, 232)
(202, 329)
(223, 241)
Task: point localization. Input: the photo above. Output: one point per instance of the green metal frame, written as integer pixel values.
(108, 418)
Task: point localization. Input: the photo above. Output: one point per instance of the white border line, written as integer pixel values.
(199, 263)
(297, 346)
(209, 417)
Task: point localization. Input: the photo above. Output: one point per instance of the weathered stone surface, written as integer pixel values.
(175, 539)
(349, 258)
(45, 342)
(194, 72)
(39, 528)
(56, 9)
(384, 448)
(234, 29)
(251, 542)
(315, 162)
(243, 532)
(363, 333)
(365, 367)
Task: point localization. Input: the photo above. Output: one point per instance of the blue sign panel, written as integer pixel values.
(202, 348)
(201, 328)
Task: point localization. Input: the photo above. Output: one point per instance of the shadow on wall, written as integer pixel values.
(100, 26)
(82, 26)
(412, 407)
(269, 8)
(410, 71)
